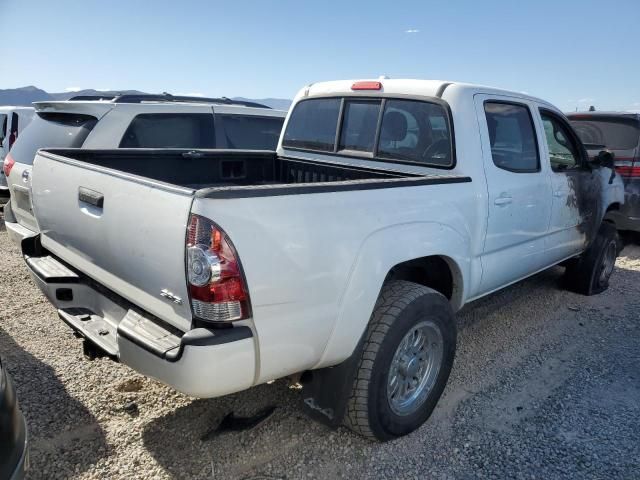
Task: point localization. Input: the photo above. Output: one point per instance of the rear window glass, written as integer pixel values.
(613, 133)
(359, 123)
(170, 130)
(416, 132)
(249, 132)
(410, 131)
(52, 130)
(313, 124)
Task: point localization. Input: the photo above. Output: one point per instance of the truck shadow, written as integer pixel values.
(58, 424)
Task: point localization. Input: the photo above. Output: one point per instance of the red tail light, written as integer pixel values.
(626, 172)
(366, 86)
(8, 164)
(216, 283)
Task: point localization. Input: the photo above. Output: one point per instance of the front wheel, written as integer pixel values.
(405, 362)
(590, 273)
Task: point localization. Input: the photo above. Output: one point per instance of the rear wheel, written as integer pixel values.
(590, 274)
(405, 362)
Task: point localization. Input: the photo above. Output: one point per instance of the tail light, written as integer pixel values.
(367, 86)
(216, 283)
(628, 172)
(8, 164)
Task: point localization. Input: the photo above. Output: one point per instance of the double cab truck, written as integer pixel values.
(338, 259)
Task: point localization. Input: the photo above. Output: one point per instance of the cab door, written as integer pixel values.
(519, 191)
(577, 189)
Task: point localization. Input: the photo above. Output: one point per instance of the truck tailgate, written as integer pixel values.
(125, 232)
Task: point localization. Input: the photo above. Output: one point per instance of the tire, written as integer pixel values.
(403, 310)
(590, 274)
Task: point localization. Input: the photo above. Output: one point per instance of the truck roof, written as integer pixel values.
(427, 88)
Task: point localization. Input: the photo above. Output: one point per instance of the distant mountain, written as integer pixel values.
(23, 96)
(88, 91)
(26, 95)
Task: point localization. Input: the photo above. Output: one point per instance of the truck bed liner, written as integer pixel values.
(244, 173)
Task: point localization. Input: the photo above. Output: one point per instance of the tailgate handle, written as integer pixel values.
(91, 197)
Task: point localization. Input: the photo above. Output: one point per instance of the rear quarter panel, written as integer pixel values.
(315, 263)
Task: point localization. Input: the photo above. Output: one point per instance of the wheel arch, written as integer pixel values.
(439, 272)
(423, 252)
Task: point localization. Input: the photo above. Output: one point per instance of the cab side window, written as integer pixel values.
(512, 137)
(563, 152)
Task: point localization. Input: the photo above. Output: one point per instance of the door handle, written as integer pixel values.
(503, 200)
(91, 197)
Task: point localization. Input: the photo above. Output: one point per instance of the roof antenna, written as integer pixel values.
(592, 108)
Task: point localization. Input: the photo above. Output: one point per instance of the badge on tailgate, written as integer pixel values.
(91, 197)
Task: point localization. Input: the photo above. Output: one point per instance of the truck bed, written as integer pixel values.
(242, 173)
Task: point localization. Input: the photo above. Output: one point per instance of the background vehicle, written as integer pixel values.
(12, 121)
(13, 431)
(133, 121)
(343, 256)
(620, 133)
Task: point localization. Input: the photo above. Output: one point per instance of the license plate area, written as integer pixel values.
(22, 199)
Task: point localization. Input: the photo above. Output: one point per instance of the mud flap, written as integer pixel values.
(326, 393)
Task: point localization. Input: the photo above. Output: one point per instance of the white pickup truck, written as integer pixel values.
(341, 257)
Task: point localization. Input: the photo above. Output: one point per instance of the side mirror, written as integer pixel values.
(604, 159)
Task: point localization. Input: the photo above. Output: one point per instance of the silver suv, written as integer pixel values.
(132, 121)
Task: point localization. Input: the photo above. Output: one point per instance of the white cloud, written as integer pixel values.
(412, 30)
(73, 89)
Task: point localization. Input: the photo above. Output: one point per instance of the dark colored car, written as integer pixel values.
(618, 132)
(14, 455)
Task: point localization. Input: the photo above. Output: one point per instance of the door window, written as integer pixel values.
(512, 137)
(170, 130)
(563, 152)
(250, 132)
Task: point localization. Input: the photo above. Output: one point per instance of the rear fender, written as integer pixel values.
(380, 252)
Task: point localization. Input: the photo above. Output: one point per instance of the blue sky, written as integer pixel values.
(571, 52)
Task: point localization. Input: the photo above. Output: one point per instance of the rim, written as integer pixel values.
(414, 368)
(608, 262)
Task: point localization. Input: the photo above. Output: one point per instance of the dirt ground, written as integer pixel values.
(546, 384)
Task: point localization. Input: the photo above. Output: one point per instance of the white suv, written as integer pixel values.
(132, 121)
(12, 121)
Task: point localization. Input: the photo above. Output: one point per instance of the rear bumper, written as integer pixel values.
(201, 362)
(628, 217)
(17, 232)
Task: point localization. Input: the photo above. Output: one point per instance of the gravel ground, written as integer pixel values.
(546, 384)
